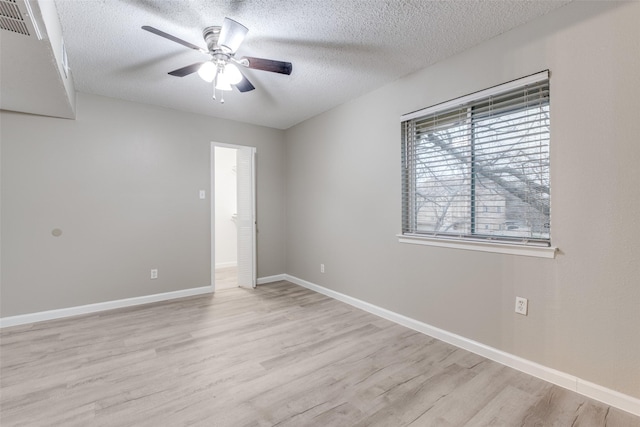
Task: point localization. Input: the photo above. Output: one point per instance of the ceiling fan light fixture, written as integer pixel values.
(232, 74)
(222, 68)
(207, 71)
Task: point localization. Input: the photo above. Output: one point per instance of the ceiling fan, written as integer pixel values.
(222, 69)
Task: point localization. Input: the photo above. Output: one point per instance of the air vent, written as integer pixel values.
(11, 18)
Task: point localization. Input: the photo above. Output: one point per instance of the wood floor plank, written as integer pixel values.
(226, 277)
(279, 355)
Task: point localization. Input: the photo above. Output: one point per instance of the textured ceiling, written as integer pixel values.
(339, 48)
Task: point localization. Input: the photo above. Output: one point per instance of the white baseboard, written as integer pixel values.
(101, 306)
(594, 391)
(271, 279)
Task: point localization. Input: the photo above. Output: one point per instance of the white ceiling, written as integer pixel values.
(340, 49)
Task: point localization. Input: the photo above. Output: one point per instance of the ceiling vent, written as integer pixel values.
(11, 18)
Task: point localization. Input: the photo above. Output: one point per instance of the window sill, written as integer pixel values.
(471, 245)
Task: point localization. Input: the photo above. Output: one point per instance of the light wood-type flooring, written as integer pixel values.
(279, 355)
(226, 277)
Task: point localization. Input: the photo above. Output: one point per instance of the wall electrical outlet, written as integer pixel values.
(321, 268)
(203, 194)
(522, 305)
(154, 273)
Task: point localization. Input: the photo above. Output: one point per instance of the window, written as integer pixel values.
(477, 168)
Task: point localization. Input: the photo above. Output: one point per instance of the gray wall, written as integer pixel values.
(343, 201)
(122, 183)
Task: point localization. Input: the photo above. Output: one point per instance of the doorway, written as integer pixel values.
(233, 216)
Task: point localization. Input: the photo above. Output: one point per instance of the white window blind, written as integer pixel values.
(478, 167)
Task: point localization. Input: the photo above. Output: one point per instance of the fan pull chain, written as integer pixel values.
(215, 82)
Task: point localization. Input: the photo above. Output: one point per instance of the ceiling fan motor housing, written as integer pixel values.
(211, 36)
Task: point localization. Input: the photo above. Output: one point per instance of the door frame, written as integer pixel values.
(254, 248)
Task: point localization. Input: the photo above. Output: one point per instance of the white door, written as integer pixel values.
(245, 216)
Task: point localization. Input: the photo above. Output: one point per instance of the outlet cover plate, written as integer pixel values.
(522, 305)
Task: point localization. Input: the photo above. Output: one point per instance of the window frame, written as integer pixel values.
(469, 240)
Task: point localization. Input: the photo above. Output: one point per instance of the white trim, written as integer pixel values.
(473, 245)
(608, 396)
(22, 319)
(271, 279)
(212, 211)
(254, 207)
(514, 84)
(227, 145)
(32, 17)
(562, 379)
(254, 245)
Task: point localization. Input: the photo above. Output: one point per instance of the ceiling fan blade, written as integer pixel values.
(232, 34)
(269, 65)
(172, 38)
(185, 71)
(244, 85)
